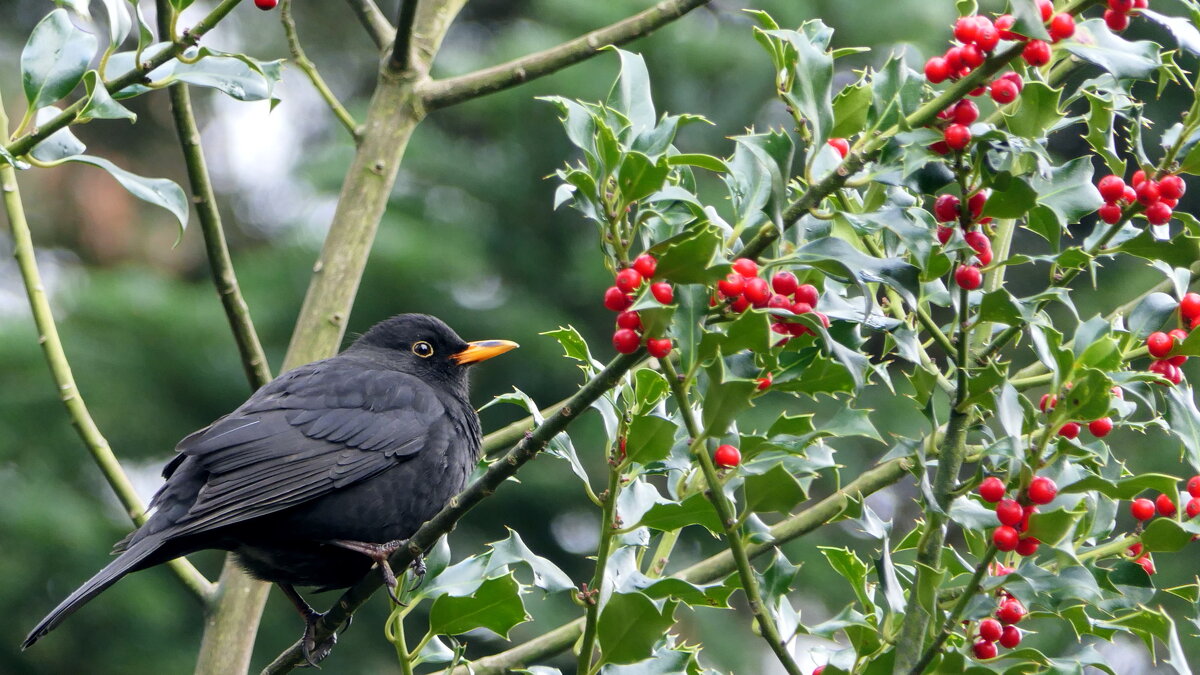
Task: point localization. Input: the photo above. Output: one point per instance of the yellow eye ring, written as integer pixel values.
(422, 349)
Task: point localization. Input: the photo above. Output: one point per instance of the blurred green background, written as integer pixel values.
(470, 236)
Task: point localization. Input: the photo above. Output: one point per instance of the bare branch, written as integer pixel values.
(442, 93)
(402, 45)
(310, 70)
(372, 19)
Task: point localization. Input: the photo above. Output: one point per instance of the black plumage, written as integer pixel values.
(311, 479)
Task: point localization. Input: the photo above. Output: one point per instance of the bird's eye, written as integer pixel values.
(422, 349)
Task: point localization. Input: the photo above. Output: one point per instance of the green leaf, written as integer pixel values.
(1181, 251)
(650, 439)
(1150, 314)
(685, 259)
(999, 306)
(1011, 198)
(699, 160)
(237, 76)
(811, 93)
(750, 330)
(649, 387)
(1183, 30)
(1124, 488)
(631, 95)
(1068, 190)
(1098, 45)
(1036, 112)
(119, 21)
(725, 398)
(1028, 19)
(695, 510)
(774, 490)
(833, 255)
(54, 59)
(573, 344)
(639, 176)
(60, 144)
(1100, 132)
(629, 626)
(1051, 527)
(496, 605)
(850, 108)
(101, 106)
(1166, 536)
(1184, 419)
(158, 191)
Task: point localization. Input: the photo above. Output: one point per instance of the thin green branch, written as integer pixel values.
(956, 613)
(444, 521)
(447, 92)
(64, 379)
(729, 522)
(310, 70)
(591, 597)
(136, 75)
(373, 20)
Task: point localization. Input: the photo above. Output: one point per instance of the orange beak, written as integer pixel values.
(483, 350)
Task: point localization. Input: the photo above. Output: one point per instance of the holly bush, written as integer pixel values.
(924, 228)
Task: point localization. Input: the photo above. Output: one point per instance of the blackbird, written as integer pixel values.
(321, 473)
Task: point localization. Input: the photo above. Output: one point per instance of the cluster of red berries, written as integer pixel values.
(742, 289)
(1098, 427)
(1161, 345)
(1117, 14)
(1143, 509)
(727, 456)
(266, 4)
(1141, 559)
(1001, 629)
(1013, 515)
(948, 209)
(1160, 197)
(619, 298)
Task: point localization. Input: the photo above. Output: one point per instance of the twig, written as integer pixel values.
(373, 21)
(135, 75)
(60, 370)
(607, 526)
(310, 70)
(729, 522)
(402, 45)
(442, 93)
(955, 614)
(444, 521)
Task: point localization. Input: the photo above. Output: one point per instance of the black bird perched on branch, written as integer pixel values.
(322, 472)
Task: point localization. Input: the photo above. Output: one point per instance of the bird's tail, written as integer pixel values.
(127, 562)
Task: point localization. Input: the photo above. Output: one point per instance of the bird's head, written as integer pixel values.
(426, 347)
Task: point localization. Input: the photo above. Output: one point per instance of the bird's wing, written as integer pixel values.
(310, 432)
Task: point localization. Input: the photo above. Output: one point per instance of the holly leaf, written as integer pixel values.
(495, 605)
(630, 625)
(1126, 60)
(55, 58)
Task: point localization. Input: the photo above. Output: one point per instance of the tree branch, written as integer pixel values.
(444, 521)
(373, 21)
(60, 370)
(310, 70)
(135, 75)
(442, 93)
(402, 45)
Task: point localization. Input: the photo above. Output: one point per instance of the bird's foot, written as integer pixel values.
(380, 554)
(313, 652)
(418, 568)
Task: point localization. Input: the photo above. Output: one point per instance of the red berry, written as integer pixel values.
(1130, 195)
(786, 283)
(1062, 26)
(1009, 512)
(945, 208)
(663, 292)
(745, 267)
(999, 570)
(1011, 637)
(740, 304)
(972, 57)
(1010, 611)
(1027, 512)
(965, 112)
(966, 30)
(990, 630)
(939, 147)
(1116, 21)
(1189, 306)
(266, 4)
(1135, 550)
(1171, 187)
(944, 234)
(818, 670)
(1101, 427)
(801, 308)
(629, 279)
(630, 320)
(626, 341)
(1158, 213)
(1046, 7)
(1110, 213)
(1042, 490)
(984, 650)
(616, 299)
(778, 301)
(1147, 192)
(1111, 188)
(1141, 4)
(958, 136)
(732, 285)
(937, 70)
(1027, 546)
(954, 60)
(757, 291)
(978, 241)
(1164, 505)
(987, 36)
(1193, 486)
(1014, 77)
(1146, 564)
(968, 277)
(1160, 344)
(1005, 537)
(1172, 203)
(1004, 22)
(658, 347)
(808, 294)
(645, 264)
(1122, 6)
(976, 202)
(991, 489)
(764, 382)
(1142, 508)
(1036, 53)
(1048, 402)
(1069, 430)
(841, 145)
(1004, 91)
(727, 456)
(1177, 334)
(1193, 507)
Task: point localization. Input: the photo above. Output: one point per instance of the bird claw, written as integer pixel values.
(418, 569)
(313, 652)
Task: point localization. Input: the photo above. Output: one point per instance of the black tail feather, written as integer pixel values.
(126, 563)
